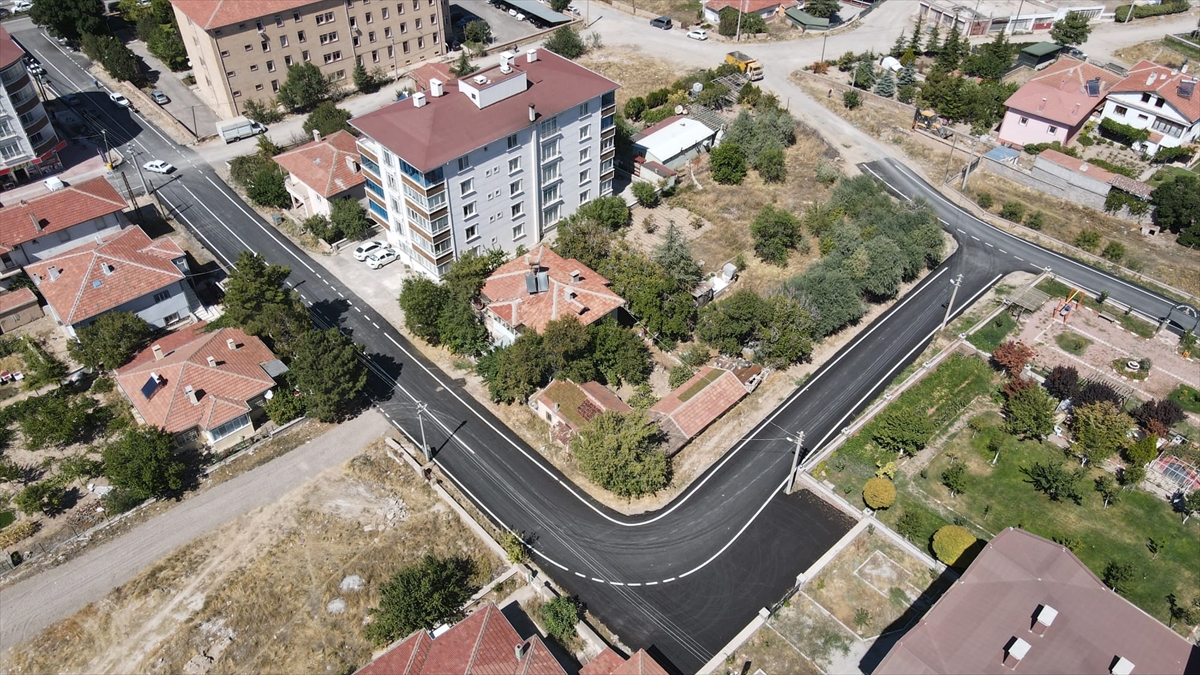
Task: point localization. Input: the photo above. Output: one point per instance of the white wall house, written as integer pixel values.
(50, 223)
(1163, 100)
(495, 162)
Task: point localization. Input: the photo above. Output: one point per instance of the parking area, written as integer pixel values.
(505, 28)
(378, 288)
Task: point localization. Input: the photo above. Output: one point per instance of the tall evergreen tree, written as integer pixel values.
(914, 43)
(932, 45)
(900, 47)
(908, 76)
(886, 86)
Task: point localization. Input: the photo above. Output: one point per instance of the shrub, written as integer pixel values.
(1122, 133)
(879, 493)
(1143, 452)
(1167, 155)
(984, 200)
(634, 108)
(728, 164)
(1035, 220)
(263, 112)
(1145, 11)
(514, 547)
(46, 496)
(285, 405)
(18, 532)
(827, 174)
(560, 617)
(851, 99)
(1036, 148)
(1014, 211)
(1088, 240)
(645, 194)
(679, 375)
(103, 385)
(950, 542)
(566, 43)
(771, 165)
(1114, 252)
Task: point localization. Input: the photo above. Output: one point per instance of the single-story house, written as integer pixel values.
(18, 308)
(55, 221)
(697, 403)
(531, 291)
(322, 170)
(673, 142)
(1076, 174)
(803, 19)
(124, 271)
(1163, 100)
(1055, 104)
(767, 9)
(1027, 604)
(568, 407)
(205, 388)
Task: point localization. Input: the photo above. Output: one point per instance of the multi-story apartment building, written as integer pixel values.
(241, 49)
(496, 164)
(28, 143)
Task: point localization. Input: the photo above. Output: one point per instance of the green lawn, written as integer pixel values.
(1058, 291)
(1072, 343)
(990, 336)
(1187, 398)
(1168, 174)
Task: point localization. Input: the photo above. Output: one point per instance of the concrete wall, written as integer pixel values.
(1049, 171)
(1046, 183)
(17, 318)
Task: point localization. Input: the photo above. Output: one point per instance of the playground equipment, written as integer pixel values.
(1064, 308)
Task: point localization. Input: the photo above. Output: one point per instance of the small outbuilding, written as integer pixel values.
(1038, 55)
(674, 141)
(802, 19)
(18, 308)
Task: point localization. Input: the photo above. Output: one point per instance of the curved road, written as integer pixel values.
(681, 581)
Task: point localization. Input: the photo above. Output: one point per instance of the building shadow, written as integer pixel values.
(526, 628)
(904, 623)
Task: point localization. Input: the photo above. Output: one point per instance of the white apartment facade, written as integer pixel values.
(1163, 100)
(496, 164)
(29, 144)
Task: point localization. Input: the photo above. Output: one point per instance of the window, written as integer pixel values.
(442, 246)
(420, 43)
(370, 36)
(464, 162)
(283, 41)
(329, 37)
(551, 215)
(374, 56)
(327, 17)
(274, 85)
(585, 154)
(433, 19)
(435, 38)
(391, 180)
(585, 132)
(266, 46)
(403, 28)
(370, 19)
(550, 149)
(472, 232)
(550, 194)
(1146, 97)
(399, 7)
(258, 87)
(301, 37)
(270, 66)
(224, 53)
(1052, 130)
(518, 209)
(229, 428)
(249, 48)
(518, 231)
(161, 295)
(467, 186)
(606, 166)
(287, 60)
(387, 32)
(607, 144)
(1159, 103)
(417, 23)
(584, 109)
(514, 165)
(339, 75)
(258, 25)
(468, 209)
(585, 176)
(354, 22)
(512, 141)
(1023, 121)
(584, 196)
(253, 67)
(550, 126)
(1120, 110)
(550, 172)
(230, 74)
(355, 42)
(405, 46)
(1168, 127)
(333, 56)
(278, 21)
(383, 13)
(296, 17)
(391, 51)
(514, 188)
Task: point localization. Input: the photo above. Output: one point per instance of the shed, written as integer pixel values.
(1038, 55)
(803, 19)
(674, 141)
(18, 308)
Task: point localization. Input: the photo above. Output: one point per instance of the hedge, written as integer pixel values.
(1123, 133)
(1144, 11)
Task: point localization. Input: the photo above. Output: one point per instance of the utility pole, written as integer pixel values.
(132, 198)
(739, 27)
(1012, 21)
(955, 283)
(421, 410)
(824, 39)
(107, 161)
(1129, 14)
(795, 461)
(953, 146)
(141, 177)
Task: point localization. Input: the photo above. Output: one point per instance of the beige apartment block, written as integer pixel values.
(241, 49)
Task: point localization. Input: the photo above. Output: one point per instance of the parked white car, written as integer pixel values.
(698, 34)
(119, 99)
(158, 166)
(22, 5)
(365, 249)
(381, 258)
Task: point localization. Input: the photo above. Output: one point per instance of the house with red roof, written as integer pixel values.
(17, 308)
(205, 388)
(609, 662)
(123, 271)
(321, 171)
(1161, 99)
(52, 222)
(568, 407)
(539, 287)
(767, 9)
(697, 403)
(1055, 104)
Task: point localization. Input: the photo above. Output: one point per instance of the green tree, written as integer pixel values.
(55, 419)
(908, 76)
(567, 345)
(111, 341)
(727, 164)
(267, 188)
(467, 275)
(304, 88)
(463, 66)
(620, 452)
(954, 477)
(348, 218)
(901, 429)
(1143, 452)
(879, 493)
(258, 302)
(584, 239)
(727, 325)
(284, 406)
(619, 354)
(1108, 489)
(1054, 481)
(787, 337)
(1114, 252)
(461, 329)
(166, 44)
(1176, 205)
(1088, 240)
(634, 108)
(822, 8)
(143, 463)
(951, 52)
(1190, 504)
(515, 547)
(70, 19)
(885, 269)
(47, 496)
(655, 299)
(679, 375)
(864, 75)
(477, 33)
(914, 43)
(775, 232)
(1071, 30)
(674, 255)
(421, 596)
(328, 119)
(365, 82)
(1099, 429)
(851, 99)
(1118, 575)
(993, 59)
(950, 542)
(328, 372)
(833, 294)
(560, 617)
(422, 300)
(646, 194)
(1029, 413)
(886, 86)
(610, 211)
(772, 165)
(933, 41)
(514, 372)
(566, 43)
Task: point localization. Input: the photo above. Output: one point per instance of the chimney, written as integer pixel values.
(532, 114)
(1043, 105)
(1042, 619)
(505, 67)
(1121, 666)
(37, 224)
(191, 394)
(351, 164)
(531, 55)
(519, 651)
(54, 272)
(506, 61)
(231, 344)
(436, 87)
(418, 100)
(1014, 652)
(212, 362)
(576, 277)
(317, 135)
(158, 352)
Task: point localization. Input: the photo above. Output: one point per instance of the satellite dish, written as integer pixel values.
(678, 110)
(697, 88)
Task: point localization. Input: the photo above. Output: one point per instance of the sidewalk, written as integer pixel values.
(185, 106)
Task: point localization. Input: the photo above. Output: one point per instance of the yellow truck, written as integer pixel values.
(751, 67)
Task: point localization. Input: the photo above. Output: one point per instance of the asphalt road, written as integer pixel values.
(681, 581)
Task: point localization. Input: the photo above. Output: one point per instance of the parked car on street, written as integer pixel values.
(366, 248)
(381, 258)
(120, 100)
(158, 166)
(22, 5)
(698, 34)
(663, 22)
(159, 97)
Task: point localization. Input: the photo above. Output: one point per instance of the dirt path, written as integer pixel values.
(31, 605)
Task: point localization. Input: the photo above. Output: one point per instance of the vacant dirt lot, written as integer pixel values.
(638, 73)
(285, 589)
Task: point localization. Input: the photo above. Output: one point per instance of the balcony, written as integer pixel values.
(13, 76)
(608, 103)
(423, 180)
(374, 188)
(369, 164)
(378, 210)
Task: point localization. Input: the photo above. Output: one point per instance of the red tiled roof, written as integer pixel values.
(94, 279)
(451, 125)
(223, 389)
(1165, 83)
(10, 53)
(433, 70)
(1079, 166)
(608, 662)
(1059, 93)
(596, 398)
(484, 643)
(57, 210)
(507, 298)
(746, 6)
(325, 165)
(999, 597)
(604, 663)
(217, 13)
(704, 406)
(14, 300)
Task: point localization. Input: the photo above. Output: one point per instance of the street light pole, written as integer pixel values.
(955, 283)
(739, 26)
(142, 178)
(107, 160)
(795, 461)
(421, 410)
(824, 39)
